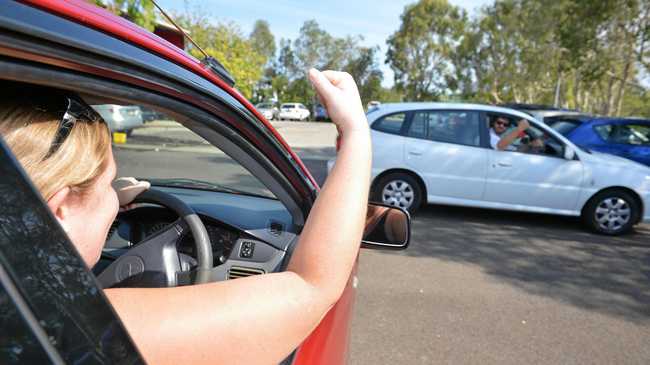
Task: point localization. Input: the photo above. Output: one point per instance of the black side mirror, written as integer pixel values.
(387, 228)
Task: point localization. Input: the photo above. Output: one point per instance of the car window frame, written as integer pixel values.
(446, 110)
(87, 84)
(93, 52)
(537, 124)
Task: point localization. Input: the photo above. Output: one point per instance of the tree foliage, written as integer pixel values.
(572, 53)
(315, 47)
(588, 55)
(419, 52)
(141, 12)
(263, 40)
(226, 43)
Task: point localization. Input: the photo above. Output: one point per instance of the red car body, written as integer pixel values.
(329, 342)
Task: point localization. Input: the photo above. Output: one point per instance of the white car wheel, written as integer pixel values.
(611, 212)
(398, 190)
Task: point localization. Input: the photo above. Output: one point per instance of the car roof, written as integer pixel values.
(555, 113)
(604, 120)
(387, 108)
(573, 117)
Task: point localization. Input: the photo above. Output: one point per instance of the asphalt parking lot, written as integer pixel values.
(494, 287)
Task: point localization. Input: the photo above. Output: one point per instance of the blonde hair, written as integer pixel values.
(29, 131)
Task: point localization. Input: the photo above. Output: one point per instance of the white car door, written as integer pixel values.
(541, 179)
(444, 148)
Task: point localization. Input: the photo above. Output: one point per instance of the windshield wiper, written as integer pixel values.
(195, 184)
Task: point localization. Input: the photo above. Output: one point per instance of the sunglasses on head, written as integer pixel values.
(76, 109)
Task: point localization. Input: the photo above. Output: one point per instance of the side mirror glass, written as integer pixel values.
(569, 153)
(387, 228)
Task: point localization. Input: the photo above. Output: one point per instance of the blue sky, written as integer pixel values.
(374, 20)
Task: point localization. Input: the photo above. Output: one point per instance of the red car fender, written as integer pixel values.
(329, 343)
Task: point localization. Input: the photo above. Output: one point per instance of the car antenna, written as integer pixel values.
(210, 62)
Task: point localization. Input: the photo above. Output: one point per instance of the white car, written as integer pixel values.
(121, 118)
(441, 153)
(268, 110)
(293, 111)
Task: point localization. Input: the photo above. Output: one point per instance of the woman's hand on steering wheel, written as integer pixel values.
(127, 189)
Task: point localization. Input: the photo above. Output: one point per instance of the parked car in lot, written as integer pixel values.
(320, 113)
(268, 110)
(546, 114)
(149, 115)
(624, 137)
(440, 153)
(52, 308)
(121, 118)
(372, 105)
(293, 111)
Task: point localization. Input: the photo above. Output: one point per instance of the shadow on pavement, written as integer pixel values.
(544, 255)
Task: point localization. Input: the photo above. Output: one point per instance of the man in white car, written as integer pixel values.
(499, 140)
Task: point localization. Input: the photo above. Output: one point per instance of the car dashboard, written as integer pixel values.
(250, 235)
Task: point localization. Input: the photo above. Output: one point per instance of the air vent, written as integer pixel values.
(275, 228)
(236, 272)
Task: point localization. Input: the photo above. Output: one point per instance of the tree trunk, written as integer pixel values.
(577, 95)
(624, 79)
(558, 86)
(609, 97)
(495, 91)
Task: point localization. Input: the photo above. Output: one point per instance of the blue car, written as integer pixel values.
(625, 137)
(320, 113)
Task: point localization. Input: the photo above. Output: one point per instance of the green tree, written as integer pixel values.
(226, 43)
(141, 12)
(419, 52)
(364, 68)
(263, 40)
(315, 47)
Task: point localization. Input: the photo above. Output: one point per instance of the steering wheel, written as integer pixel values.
(155, 262)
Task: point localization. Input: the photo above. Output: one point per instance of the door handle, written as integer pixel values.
(504, 164)
(415, 153)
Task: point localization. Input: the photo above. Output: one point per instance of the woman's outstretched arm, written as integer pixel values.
(261, 319)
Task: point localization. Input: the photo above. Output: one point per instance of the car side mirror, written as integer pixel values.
(387, 228)
(569, 153)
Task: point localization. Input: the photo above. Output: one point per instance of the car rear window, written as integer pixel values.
(458, 127)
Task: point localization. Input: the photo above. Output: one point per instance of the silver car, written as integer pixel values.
(120, 118)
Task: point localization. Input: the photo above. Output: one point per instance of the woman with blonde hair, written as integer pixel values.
(65, 148)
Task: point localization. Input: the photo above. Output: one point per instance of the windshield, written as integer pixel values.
(152, 146)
